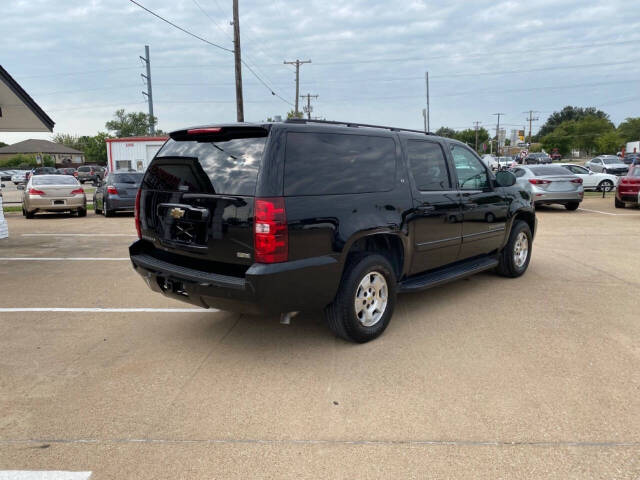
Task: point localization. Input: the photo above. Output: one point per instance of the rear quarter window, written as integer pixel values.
(333, 163)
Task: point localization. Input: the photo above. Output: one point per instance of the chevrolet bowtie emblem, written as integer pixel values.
(177, 213)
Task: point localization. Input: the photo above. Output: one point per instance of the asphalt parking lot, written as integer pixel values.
(487, 377)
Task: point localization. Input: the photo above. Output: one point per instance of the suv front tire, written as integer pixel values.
(365, 300)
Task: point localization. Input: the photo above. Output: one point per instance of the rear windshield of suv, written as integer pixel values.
(232, 166)
(332, 163)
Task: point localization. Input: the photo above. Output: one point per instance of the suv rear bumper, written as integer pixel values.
(265, 288)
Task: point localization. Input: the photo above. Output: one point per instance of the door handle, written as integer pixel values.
(471, 205)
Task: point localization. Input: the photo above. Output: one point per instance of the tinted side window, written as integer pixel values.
(471, 173)
(428, 165)
(518, 172)
(331, 163)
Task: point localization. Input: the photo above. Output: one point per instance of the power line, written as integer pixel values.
(180, 28)
(212, 44)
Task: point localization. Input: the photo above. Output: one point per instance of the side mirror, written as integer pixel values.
(505, 178)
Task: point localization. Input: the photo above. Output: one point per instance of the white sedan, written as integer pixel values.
(592, 180)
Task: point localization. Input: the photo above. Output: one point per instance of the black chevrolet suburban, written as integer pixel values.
(302, 215)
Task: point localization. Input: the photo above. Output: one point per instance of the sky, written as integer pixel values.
(79, 60)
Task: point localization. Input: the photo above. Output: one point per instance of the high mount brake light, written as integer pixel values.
(271, 234)
(196, 131)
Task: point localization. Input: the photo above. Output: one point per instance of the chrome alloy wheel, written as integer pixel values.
(521, 250)
(371, 299)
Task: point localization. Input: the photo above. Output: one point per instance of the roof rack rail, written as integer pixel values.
(353, 124)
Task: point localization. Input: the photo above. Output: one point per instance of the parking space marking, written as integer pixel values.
(106, 310)
(58, 259)
(42, 475)
(78, 235)
(609, 213)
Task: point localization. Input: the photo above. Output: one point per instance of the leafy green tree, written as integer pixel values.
(468, 136)
(569, 113)
(2, 144)
(562, 138)
(132, 124)
(293, 114)
(446, 132)
(629, 130)
(588, 130)
(95, 150)
(69, 140)
(609, 143)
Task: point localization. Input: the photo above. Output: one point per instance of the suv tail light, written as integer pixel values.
(77, 191)
(137, 214)
(576, 180)
(35, 191)
(112, 190)
(271, 234)
(537, 181)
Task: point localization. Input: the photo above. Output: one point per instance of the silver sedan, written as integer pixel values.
(53, 193)
(551, 184)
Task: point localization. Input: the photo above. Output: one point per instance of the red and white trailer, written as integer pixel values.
(132, 152)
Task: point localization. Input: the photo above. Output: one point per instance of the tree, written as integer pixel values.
(446, 132)
(2, 144)
(561, 137)
(629, 130)
(468, 136)
(569, 113)
(69, 140)
(609, 143)
(588, 130)
(96, 149)
(292, 114)
(130, 124)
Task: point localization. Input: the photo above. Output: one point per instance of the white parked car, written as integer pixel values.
(19, 177)
(593, 180)
(490, 161)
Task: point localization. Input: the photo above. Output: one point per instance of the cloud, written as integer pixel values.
(79, 59)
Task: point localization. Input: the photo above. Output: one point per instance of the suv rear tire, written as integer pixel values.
(513, 262)
(365, 300)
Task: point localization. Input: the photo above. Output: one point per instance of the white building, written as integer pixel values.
(132, 152)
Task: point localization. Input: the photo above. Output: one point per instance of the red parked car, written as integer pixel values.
(628, 188)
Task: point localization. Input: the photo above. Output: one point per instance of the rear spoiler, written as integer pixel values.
(220, 133)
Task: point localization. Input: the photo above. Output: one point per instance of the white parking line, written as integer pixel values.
(609, 213)
(106, 310)
(78, 235)
(42, 475)
(58, 259)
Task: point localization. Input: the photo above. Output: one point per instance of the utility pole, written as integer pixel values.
(238, 62)
(424, 117)
(498, 133)
(476, 125)
(297, 63)
(149, 93)
(308, 108)
(531, 120)
(426, 79)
